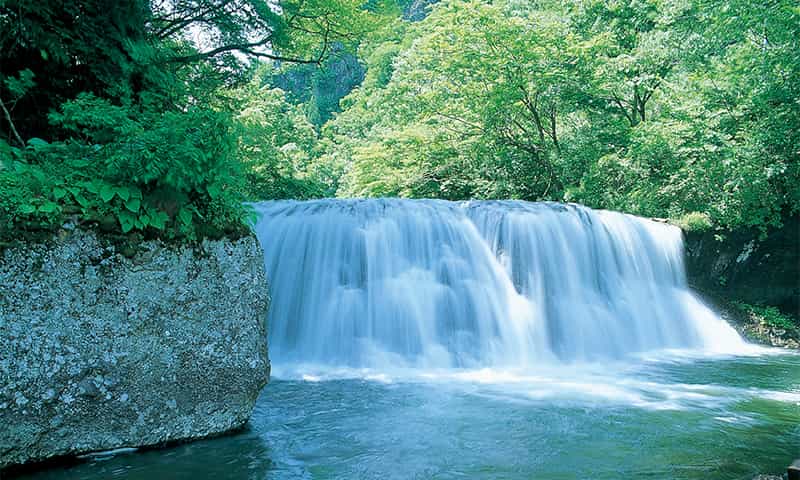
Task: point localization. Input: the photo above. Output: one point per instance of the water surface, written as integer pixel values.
(671, 417)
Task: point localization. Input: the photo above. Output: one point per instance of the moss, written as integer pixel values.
(127, 244)
(757, 323)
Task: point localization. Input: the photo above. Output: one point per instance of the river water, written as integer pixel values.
(670, 416)
(498, 340)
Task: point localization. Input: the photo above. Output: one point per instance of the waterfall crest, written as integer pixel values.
(432, 283)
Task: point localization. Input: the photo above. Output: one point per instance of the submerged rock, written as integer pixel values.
(99, 351)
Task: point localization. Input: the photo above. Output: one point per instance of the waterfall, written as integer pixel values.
(431, 283)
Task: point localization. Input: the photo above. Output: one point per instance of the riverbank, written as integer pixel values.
(765, 325)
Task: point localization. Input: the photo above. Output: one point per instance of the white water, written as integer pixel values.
(435, 284)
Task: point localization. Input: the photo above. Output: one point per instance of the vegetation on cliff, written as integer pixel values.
(163, 116)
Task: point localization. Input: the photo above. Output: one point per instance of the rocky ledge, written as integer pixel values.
(100, 350)
(744, 273)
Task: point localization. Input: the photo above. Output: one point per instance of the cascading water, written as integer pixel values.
(431, 283)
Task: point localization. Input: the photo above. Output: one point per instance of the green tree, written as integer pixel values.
(117, 114)
(474, 103)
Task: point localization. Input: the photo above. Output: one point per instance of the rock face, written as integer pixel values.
(742, 266)
(100, 351)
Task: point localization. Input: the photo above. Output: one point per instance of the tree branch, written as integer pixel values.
(13, 129)
(623, 109)
(248, 49)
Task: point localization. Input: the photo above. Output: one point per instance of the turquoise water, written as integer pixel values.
(671, 417)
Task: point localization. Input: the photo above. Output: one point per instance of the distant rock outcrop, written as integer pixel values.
(417, 10)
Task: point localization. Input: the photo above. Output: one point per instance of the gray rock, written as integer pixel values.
(743, 265)
(98, 351)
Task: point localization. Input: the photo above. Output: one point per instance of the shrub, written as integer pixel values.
(693, 222)
(172, 174)
(770, 316)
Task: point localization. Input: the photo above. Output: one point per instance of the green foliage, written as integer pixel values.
(112, 115)
(693, 222)
(683, 110)
(770, 317)
(275, 143)
(177, 178)
(437, 122)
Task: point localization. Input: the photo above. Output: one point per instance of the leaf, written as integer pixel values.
(123, 193)
(185, 216)
(82, 201)
(144, 219)
(127, 221)
(59, 193)
(37, 142)
(79, 163)
(250, 216)
(93, 187)
(27, 209)
(158, 219)
(5, 149)
(48, 207)
(106, 192)
(133, 204)
(214, 191)
(20, 167)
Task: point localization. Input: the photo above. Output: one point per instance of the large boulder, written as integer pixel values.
(100, 350)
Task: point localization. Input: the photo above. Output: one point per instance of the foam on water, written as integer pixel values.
(430, 284)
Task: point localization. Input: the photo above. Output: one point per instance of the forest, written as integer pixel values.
(163, 118)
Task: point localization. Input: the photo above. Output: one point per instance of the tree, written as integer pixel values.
(124, 51)
(117, 113)
(487, 111)
(655, 108)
